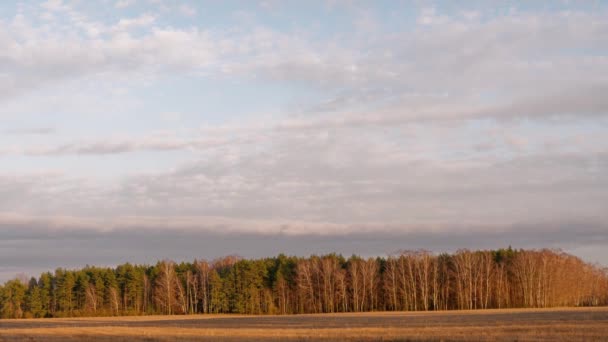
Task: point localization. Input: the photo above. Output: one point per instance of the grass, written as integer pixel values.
(562, 324)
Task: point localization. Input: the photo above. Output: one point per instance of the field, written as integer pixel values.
(582, 324)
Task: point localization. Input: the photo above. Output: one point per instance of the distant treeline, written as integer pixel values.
(411, 280)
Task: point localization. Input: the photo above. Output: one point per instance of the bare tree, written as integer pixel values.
(203, 271)
(166, 287)
(91, 298)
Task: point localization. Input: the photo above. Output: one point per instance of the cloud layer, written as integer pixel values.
(425, 127)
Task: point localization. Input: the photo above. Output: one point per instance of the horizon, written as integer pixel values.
(25, 278)
(139, 130)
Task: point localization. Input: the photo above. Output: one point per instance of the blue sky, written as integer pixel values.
(407, 124)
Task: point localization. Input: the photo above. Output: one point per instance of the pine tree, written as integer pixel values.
(34, 299)
(45, 283)
(65, 291)
(12, 298)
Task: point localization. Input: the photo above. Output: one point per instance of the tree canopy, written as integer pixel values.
(410, 280)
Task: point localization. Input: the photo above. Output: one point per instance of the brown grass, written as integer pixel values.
(581, 324)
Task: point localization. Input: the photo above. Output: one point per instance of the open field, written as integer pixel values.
(581, 324)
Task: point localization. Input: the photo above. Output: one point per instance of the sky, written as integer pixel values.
(137, 130)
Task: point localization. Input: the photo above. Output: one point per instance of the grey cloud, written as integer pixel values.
(585, 100)
(325, 186)
(118, 146)
(576, 102)
(300, 198)
(569, 103)
(30, 131)
(387, 161)
(48, 251)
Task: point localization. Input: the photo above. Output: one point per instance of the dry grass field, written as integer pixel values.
(581, 324)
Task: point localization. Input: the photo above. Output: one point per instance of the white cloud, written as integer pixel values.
(312, 187)
(54, 5)
(187, 10)
(130, 23)
(429, 16)
(124, 3)
(458, 125)
(476, 61)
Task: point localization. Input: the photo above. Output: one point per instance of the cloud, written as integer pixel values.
(127, 24)
(30, 131)
(115, 146)
(124, 3)
(580, 101)
(429, 16)
(574, 104)
(399, 62)
(54, 5)
(462, 129)
(323, 185)
(187, 10)
(107, 248)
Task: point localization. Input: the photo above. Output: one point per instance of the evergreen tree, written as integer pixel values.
(45, 283)
(34, 304)
(12, 299)
(411, 280)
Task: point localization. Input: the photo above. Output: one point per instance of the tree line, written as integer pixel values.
(407, 281)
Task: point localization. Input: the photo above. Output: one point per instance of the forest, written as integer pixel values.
(406, 281)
